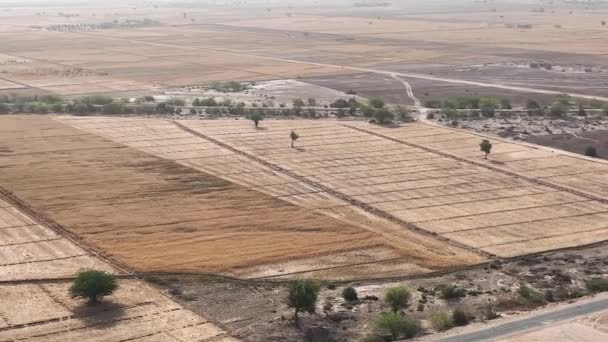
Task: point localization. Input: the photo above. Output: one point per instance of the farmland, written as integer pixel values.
(153, 214)
(432, 178)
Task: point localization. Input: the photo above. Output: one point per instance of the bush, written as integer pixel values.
(349, 293)
(298, 103)
(596, 285)
(398, 297)
(383, 116)
(396, 325)
(93, 285)
(591, 151)
(460, 318)
(441, 321)
(99, 100)
(376, 102)
(530, 295)
(558, 109)
(174, 101)
(339, 103)
(112, 108)
(452, 292)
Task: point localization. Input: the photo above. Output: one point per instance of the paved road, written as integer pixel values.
(567, 313)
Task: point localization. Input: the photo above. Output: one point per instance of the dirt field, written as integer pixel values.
(156, 215)
(135, 312)
(473, 41)
(521, 200)
(576, 144)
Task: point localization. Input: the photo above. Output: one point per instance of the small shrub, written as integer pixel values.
(396, 325)
(350, 294)
(591, 151)
(596, 285)
(460, 317)
(530, 295)
(398, 297)
(331, 286)
(373, 338)
(430, 116)
(452, 292)
(441, 321)
(489, 312)
(549, 296)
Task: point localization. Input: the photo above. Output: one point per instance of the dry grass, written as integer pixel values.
(456, 194)
(157, 215)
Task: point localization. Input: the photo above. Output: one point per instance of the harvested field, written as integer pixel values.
(135, 312)
(432, 178)
(153, 214)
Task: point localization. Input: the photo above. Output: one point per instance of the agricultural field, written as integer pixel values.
(520, 201)
(153, 214)
(36, 260)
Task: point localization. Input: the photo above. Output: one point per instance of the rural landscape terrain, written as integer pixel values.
(199, 170)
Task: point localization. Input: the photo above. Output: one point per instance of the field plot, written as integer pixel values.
(31, 251)
(153, 214)
(448, 189)
(136, 312)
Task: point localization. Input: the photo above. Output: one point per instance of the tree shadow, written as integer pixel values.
(496, 162)
(300, 149)
(261, 128)
(101, 315)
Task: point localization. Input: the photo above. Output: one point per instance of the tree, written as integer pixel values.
(383, 116)
(603, 22)
(558, 109)
(339, 103)
(256, 118)
(581, 110)
(93, 285)
(303, 296)
(294, 136)
(531, 104)
(349, 293)
(312, 102)
(298, 103)
(486, 146)
(591, 151)
(396, 325)
(505, 104)
(376, 102)
(398, 297)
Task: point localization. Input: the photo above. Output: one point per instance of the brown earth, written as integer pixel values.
(156, 215)
(575, 143)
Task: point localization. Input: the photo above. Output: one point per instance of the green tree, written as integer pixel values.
(486, 147)
(396, 325)
(349, 293)
(303, 295)
(531, 104)
(298, 103)
(591, 151)
(505, 104)
(383, 116)
(294, 136)
(581, 110)
(93, 285)
(312, 102)
(256, 118)
(376, 102)
(112, 108)
(398, 297)
(558, 109)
